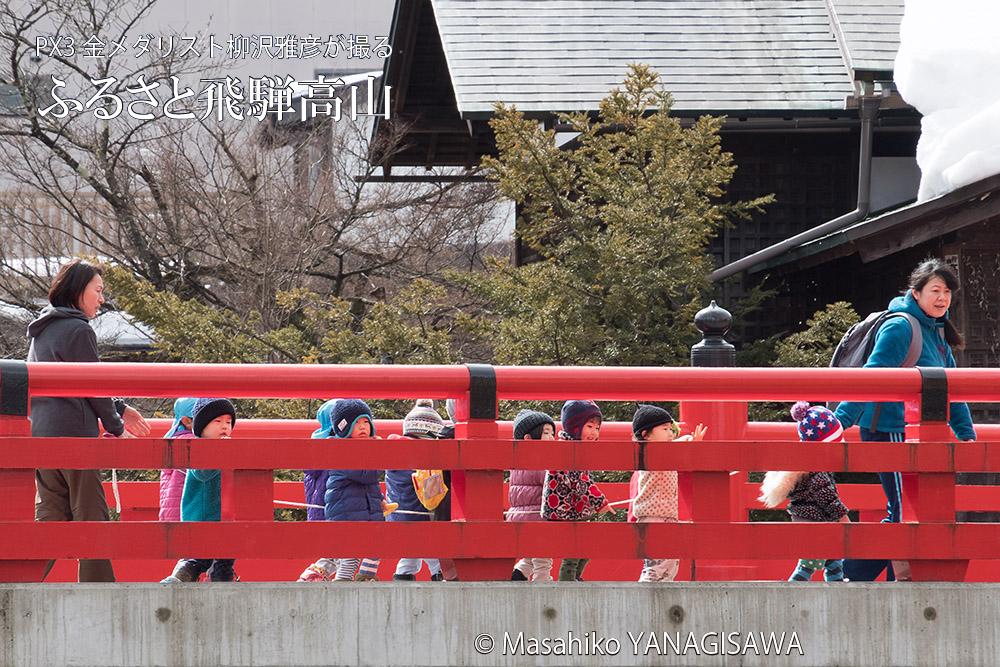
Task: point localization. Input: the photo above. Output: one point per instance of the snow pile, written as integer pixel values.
(948, 67)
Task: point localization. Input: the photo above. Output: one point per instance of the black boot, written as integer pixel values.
(517, 576)
(404, 577)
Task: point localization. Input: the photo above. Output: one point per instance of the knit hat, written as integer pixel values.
(577, 413)
(323, 416)
(183, 407)
(817, 423)
(423, 421)
(345, 414)
(528, 421)
(649, 417)
(207, 409)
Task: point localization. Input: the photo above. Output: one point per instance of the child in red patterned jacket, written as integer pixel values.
(571, 495)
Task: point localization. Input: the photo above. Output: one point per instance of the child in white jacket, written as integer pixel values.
(656, 498)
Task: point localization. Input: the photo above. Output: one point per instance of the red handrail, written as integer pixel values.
(938, 546)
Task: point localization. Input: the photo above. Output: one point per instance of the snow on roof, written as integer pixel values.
(114, 328)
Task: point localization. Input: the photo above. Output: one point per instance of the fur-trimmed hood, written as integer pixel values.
(777, 485)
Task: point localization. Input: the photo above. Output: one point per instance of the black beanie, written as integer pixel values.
(647, 417)
(528, 421)
(207, 409)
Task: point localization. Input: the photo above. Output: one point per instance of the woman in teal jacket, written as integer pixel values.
(928, 299)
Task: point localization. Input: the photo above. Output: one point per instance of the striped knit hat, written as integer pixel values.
(423, 421)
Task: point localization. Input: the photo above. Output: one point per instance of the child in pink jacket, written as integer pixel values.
(526, 491)
(172, 480)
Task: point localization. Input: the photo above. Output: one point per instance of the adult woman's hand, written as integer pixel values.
(135, 424)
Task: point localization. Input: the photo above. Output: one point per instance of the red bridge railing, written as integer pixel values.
(484, 545)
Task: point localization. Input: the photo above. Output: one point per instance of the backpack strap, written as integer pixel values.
(916, 341)
(912, 355)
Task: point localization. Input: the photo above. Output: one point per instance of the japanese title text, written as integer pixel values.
(220, 98)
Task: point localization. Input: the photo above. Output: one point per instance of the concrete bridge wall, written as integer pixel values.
(484, 623)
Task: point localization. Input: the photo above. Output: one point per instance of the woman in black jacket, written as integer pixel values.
(62, 332)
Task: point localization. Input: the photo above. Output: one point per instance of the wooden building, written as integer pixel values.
(789, 75)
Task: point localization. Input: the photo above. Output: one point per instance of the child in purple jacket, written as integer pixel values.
(315, 483)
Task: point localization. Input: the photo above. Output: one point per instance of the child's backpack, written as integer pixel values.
(430, 487)
(857, 344)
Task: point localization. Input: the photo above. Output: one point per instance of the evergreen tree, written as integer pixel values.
(620, 219)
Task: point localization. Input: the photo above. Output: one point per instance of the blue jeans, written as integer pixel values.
(868, 569)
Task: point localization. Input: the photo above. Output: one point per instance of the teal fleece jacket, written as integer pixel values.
(202, 499)
(892, 342)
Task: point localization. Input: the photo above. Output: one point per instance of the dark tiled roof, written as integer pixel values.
(750, 57)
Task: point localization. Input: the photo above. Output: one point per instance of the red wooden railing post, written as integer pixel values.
(929, 497)
(477, 495)
(17, 485)
(712, 491)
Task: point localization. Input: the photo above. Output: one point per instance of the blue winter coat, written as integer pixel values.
(399, 489)
(892, 342)
(353, 495)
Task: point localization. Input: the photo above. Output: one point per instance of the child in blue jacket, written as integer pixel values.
(354, 495)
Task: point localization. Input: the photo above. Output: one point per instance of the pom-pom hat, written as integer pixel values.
(816, 423)
(423, 421)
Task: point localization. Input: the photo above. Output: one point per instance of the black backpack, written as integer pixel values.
(857, 344)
